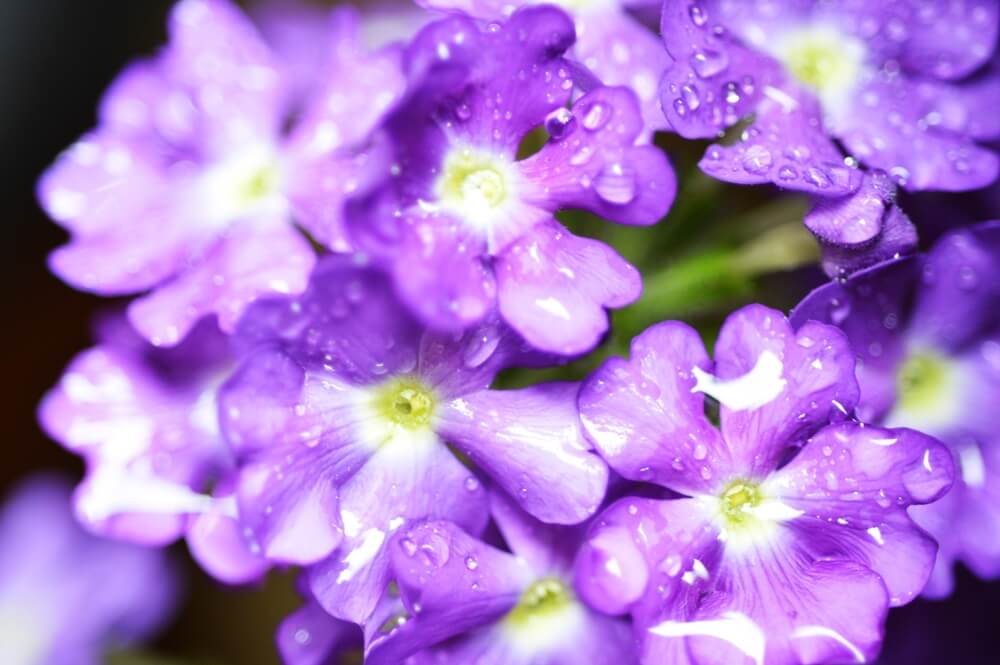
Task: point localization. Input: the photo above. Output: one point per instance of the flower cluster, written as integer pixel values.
(345, 231)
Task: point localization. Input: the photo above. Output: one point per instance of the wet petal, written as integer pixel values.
(778, 386)
(591, 162)
(529, 441)
(310, 636)
(644, 416)
(554, 286)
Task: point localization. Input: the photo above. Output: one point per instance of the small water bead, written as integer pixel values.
(698, 14)
(706, 63)
(689, 95)
(596, 115)
(471, 563)
(757, 160)
(616, 184)
(559, 123)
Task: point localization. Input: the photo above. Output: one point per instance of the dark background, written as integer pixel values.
(56, 57)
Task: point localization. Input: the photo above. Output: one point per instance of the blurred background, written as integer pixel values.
(720, 247)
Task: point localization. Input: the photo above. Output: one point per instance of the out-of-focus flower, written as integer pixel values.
(791, 539)
(146, 422)
(927, 337)
(67, 596)
(188, 186)
(610, 42)
(464, 227)
(466, 601)
(310, 636)
(339, 417)
(894, 82)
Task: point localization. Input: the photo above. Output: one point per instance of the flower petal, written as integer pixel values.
(645, 417)
(529, 441)
(554, 286)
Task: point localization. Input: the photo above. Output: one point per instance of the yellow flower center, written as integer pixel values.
(472, 181)
(822, 58)
(542, 599)
(921, 380)
(406, 402)
(738, 500)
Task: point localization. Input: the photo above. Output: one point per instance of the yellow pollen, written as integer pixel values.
(738, 500)
(542, 598)
(406, 402)
(472, 179)
(921, 380)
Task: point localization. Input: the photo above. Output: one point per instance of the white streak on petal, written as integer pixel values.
(823, 631)
(362, 554)
(758, 387)
(973, 469)
(735, 628)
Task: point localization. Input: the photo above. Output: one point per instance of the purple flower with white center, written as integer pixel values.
(145, 421)
(66, 597)
(188, 186)
(790, 539)
(889, 80)
(464, 228)
(611, 43)
(344, 397)
(465, 601)
(928, 346)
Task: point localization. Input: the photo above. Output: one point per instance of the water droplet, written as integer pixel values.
(757, 160)
(480, 349)
(707, 63)
(471, 563)
(689, 94)
(559, 123)
(434, 550)
(596, 116)
(698, 14)
(616, 184)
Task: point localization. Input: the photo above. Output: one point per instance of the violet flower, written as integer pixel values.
(145, 420)
(310, 636)
(928, 344)
(889, 80)
(188, 186)
(611, 43)
(465, 228)
(790, 539)
(343, 397)
(466, 601)
(66, 597)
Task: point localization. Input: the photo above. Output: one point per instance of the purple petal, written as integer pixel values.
(440, 274)
(414, 480)
(638, 546)
(872, 308)
(515, 75)
(592, 164)
(644, 417)
(544, 547)
(432, 566)
(554, 286)
(950, 40)
(217, 53)
(102, 179)
(862, 478)
(349, 320)
(217, 543)
(887, 130)
(529, 441)
(787, 146)
(958, 295)
(310, 636)
(622, 51)
(778, 386)
(862, 229)
(249, 261)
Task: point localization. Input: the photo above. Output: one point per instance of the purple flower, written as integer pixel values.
(466, 601)
(66, 596)
(464, 228)
(891, 81)
(790, 539)
(928, 346)
(145, 421)
(188, 186)
(339, 418)
(611, 43)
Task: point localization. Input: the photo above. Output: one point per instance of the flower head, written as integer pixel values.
(791, 537)
(891, 81)
(344, 396)
(188, 187)
(928, 353)
(464, 227)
